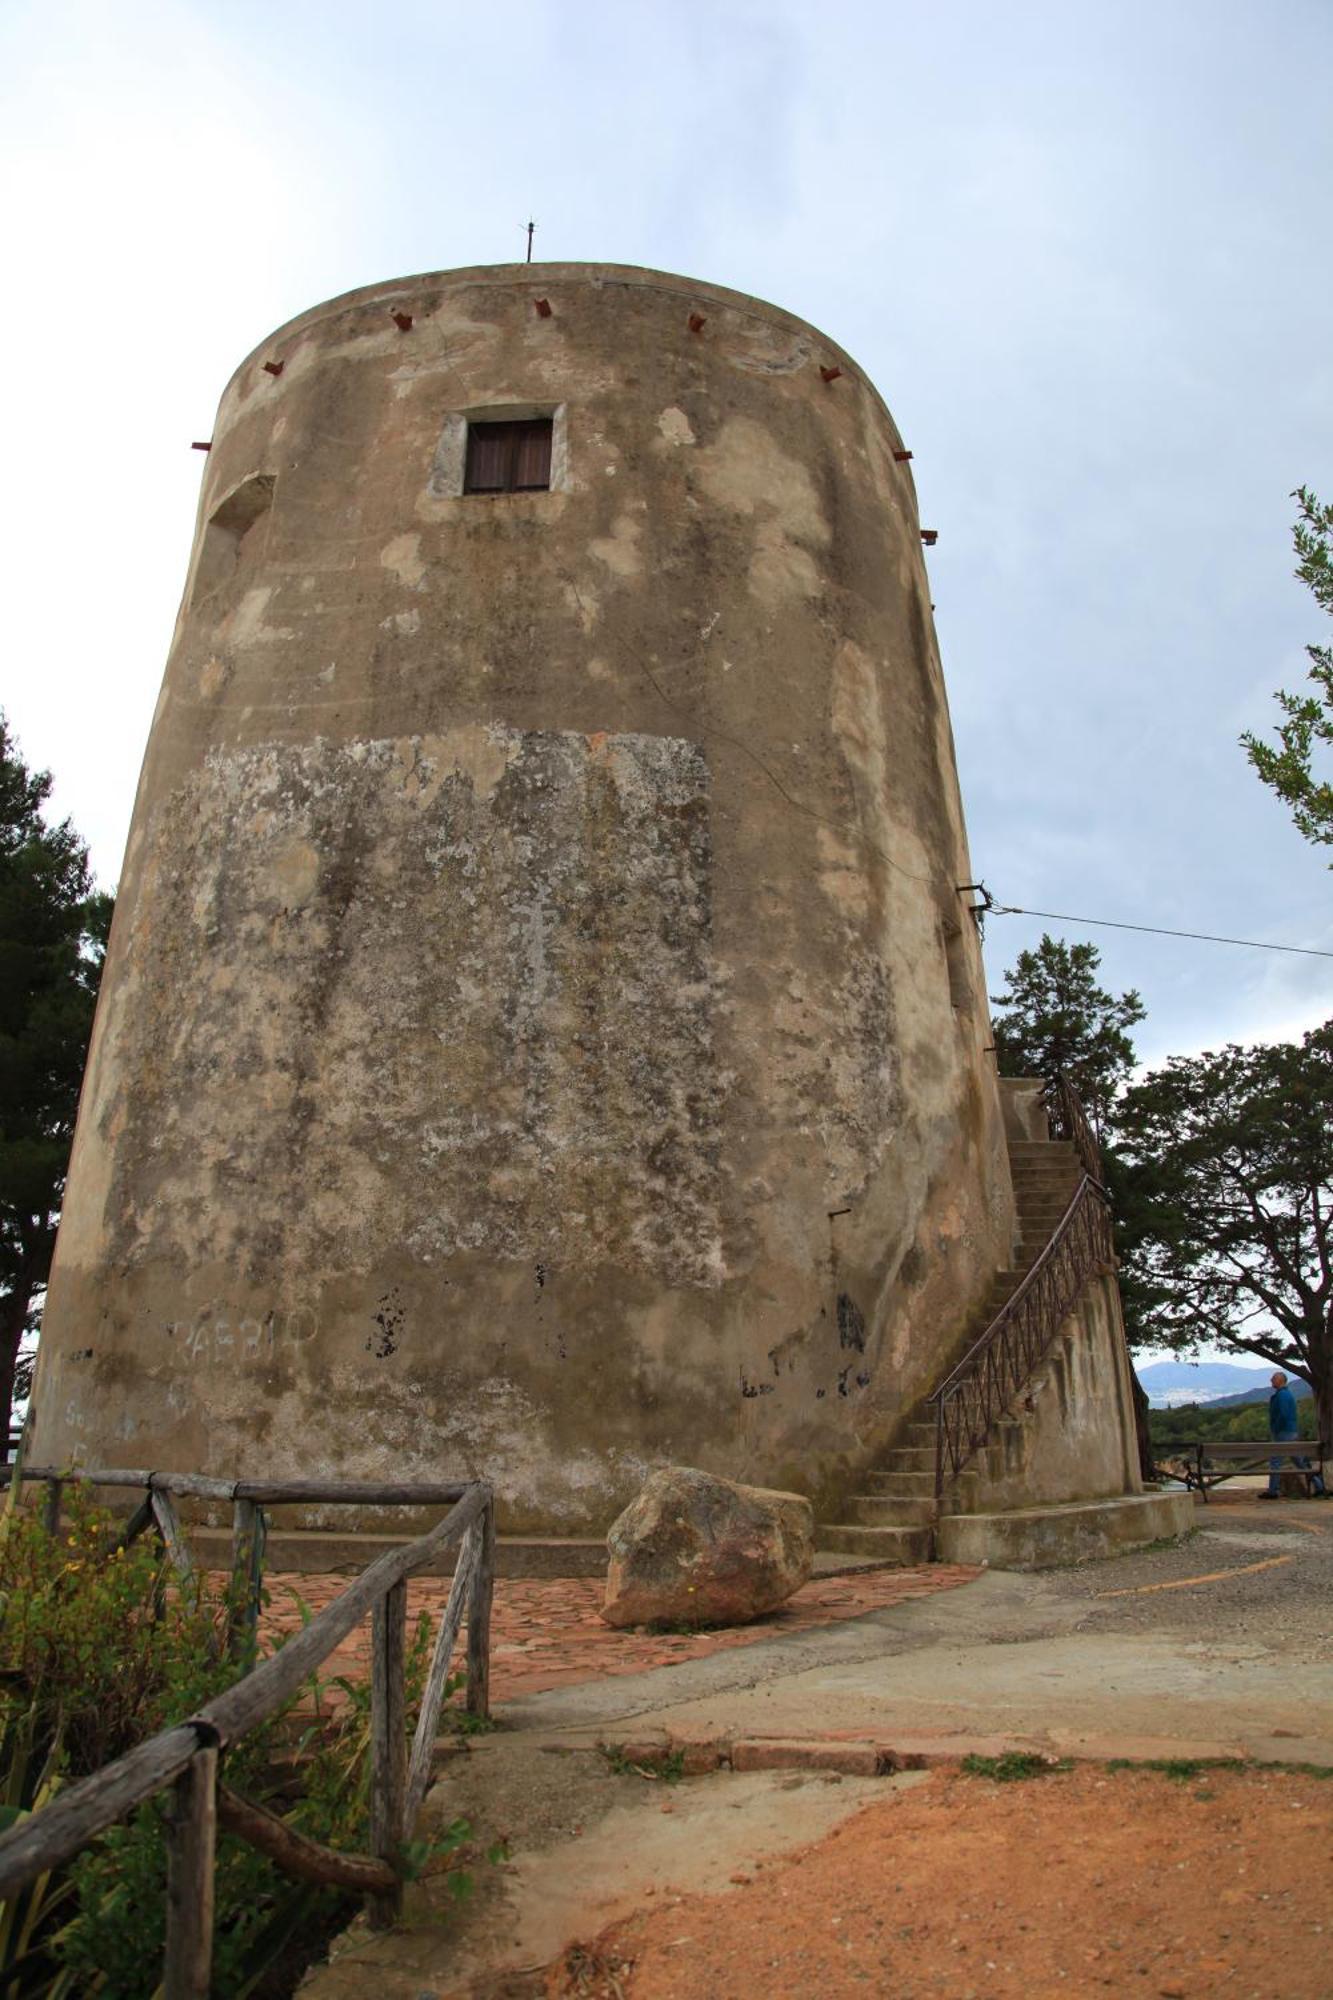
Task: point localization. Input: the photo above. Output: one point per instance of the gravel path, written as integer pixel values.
(1270, 1581)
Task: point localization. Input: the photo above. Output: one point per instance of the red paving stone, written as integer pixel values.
(547, 1633)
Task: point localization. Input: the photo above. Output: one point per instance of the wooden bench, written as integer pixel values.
(1206, 1462)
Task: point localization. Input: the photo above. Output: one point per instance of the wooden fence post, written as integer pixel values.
(249, 1532)
(480, 1592)
(388, 1744)
(191, 1838)
(421, 1762)
(53, 1493)
(173, 1535)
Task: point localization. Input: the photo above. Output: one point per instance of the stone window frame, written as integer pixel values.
(449, 466)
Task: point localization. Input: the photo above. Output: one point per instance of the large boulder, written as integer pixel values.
(696, 1549)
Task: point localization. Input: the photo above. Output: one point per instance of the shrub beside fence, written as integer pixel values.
(185, 1757)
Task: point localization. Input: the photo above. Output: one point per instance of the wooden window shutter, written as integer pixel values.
(532, 455)
(509, 457)
(488, 458)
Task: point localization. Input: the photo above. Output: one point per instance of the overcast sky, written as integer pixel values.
(1081, 250)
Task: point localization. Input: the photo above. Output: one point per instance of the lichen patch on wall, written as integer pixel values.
(619, 550)
(674, 426)
(374, 974)
(747, 470)
(403, 556)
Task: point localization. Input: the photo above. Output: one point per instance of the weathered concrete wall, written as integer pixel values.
(1023, 1101)
(1053, 1537)
(541, 1032)
(1074, 1438)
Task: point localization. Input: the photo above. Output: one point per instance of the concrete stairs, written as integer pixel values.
(893, 1518)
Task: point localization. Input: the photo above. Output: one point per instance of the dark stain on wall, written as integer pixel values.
(388, 1317)
(851, 1324)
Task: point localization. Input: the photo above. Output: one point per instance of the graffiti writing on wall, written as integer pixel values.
(221, 1336)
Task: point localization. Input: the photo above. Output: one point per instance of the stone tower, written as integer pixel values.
(542, 1032)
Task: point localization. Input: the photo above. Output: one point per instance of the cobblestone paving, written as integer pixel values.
(546, 1633)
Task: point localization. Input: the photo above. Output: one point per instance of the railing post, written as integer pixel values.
(191, 1838)
(388, 1744)
(169, 1528)
(481, 1589)
(53, 1492)
(423, 1744)
(249, 1532)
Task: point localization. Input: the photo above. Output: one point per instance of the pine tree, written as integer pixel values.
(53, 929)
(1056, 1020)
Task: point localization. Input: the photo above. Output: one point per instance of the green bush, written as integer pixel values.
(100, 1648)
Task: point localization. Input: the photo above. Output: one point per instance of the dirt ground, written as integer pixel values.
(781, 1879)
(1075, 1883)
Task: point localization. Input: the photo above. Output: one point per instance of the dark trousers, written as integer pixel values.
(1275, 1466)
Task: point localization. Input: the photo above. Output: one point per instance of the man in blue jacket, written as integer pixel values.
(1284, 1427)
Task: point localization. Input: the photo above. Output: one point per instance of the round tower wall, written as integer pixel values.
(541, 1033)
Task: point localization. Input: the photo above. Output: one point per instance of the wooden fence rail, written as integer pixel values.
(186, 1756)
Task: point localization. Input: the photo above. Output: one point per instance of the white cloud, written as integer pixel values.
(1074, 249)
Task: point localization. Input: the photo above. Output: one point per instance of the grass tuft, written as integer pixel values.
(1013, 1765)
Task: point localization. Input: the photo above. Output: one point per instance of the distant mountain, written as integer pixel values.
(1300, 1390)
(1170, 1383)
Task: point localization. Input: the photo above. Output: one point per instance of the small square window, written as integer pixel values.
(509, 458)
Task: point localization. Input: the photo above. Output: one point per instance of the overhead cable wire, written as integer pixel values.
(1153, 930)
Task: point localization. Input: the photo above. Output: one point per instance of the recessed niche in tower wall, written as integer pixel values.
(228, 530)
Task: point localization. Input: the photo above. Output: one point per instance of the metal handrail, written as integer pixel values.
(998, 1366)
(1069, 1120)
(185, 1755)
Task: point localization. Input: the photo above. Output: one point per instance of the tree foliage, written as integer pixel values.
(53, 929)
(1246, 1424)
(1055, 1019)
(1224, 1185)
(1306, 724)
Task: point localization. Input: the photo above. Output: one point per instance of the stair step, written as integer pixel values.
(892, 1510)
(892, 1479)
(904, 1546)
(896, 1509)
